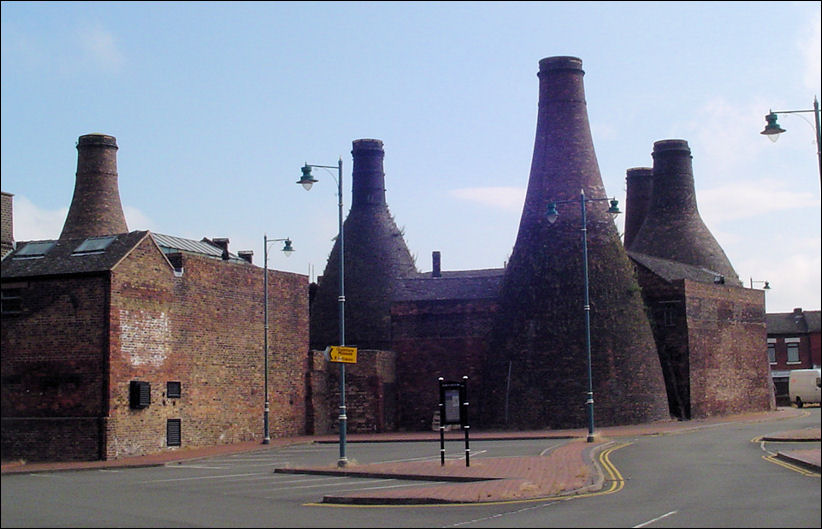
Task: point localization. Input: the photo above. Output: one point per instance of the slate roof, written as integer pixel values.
(674, 270)
(797, 322)
(61, 259)
(454, 285)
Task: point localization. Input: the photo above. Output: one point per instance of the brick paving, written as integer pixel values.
(570, 468)
(566, 468)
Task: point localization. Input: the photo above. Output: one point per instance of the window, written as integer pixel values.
(11, 301)
(173, 390)
(174, 432)
(771, 352)
(93, 245)
(793, 351)
(669, 314)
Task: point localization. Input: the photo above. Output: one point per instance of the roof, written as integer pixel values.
(674, 270)
(69, 256)
(796, 322)
(94, 254)
(171, 244)
(454, 285)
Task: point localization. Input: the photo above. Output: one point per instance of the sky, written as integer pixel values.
(217, 105)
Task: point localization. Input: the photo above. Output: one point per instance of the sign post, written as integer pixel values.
(453, 410)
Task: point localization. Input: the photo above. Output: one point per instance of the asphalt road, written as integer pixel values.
(712, 477)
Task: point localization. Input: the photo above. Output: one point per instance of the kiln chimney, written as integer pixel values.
(540, 332)
(7, 209)
(639, 182)
(375, 257)
(95, 207)
(673, 228)
(368, 179)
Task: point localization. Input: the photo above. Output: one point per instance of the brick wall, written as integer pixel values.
(53, 362)
(448, 339)
(370, 393)
(729, 370)
(712, 345)
(205, 330)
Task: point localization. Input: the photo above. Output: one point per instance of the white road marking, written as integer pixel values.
(649, 522)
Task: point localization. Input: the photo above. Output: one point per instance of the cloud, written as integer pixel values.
(792, 277)
(100, 48)
(33, 223)
(732, 201)
(504, 198)
(137, 220)
(809, 44)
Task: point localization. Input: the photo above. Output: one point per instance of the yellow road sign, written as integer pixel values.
(339, 353)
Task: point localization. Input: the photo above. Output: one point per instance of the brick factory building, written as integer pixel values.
(119, 343)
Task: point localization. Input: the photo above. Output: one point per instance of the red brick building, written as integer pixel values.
(793, 343)
(708, 328)
(120, 344)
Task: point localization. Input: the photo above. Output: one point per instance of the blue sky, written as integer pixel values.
(216, 106)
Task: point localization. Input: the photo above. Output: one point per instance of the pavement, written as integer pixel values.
(572, 467)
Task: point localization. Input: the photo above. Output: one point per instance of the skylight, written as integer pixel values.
(34, 249)
(93, 245)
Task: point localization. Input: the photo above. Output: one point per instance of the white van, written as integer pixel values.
(804, 386)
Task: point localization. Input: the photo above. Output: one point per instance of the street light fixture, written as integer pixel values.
(287, 250)
(766, 285)
(552, 216)
(306, 180)
(773, 130)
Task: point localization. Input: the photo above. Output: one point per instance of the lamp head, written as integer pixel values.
(552, 214)
(767, 286)
(772, 129)
(287, 248)
(614, 209)
(306, 180)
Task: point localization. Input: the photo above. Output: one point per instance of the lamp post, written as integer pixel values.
(287, 249)
(773, 130)
(306, 180)
(552, 216)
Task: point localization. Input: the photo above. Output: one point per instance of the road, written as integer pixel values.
(712, 477)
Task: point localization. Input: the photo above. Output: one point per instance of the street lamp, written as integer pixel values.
(552, 216)
(306, 180)
(287, 249)
(766, 285)
(773, 130)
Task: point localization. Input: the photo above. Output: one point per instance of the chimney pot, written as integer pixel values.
(222, 242)
(435, 271)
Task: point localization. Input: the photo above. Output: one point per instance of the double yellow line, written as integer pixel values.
(772, 458)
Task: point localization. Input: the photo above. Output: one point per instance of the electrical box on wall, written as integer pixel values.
(139, 394)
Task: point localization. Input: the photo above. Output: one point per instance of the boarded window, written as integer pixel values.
(174, 390)
(139, 394)
(174, 432)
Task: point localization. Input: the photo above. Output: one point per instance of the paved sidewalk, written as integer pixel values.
(571, 468)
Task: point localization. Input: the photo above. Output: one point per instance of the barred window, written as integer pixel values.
(12, 301)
